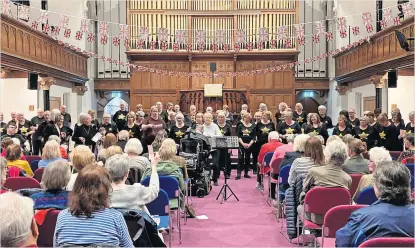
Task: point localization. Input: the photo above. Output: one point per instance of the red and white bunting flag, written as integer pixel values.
(249, 46)
(115, 41)
(104, 39)
(273, 45)
(299, 30)
(109, 60)
(201, 47)
(226, 48)
(288, 43)
(115, 62)
(383, 24)
(284, 66)
(343, 34)
(200, 37)
(396, 21)
(320, 28)
(6, 8)
(144, 33)
(176, 47)
(122, 63)
(291, 65)
(407, 10)
(356, 30)
(180, 36)
(164, 46)
(263, 34)
(316, 38)
(341, 24)
(367, 21)
(127, 43)
(140, 44)
(188, 47)
(67, 33)
(64, 22)
(103, 29)
(237, 47)
(387, 15)
(91, 37)
(46, 28)
(78, 35)
(301, 41)
(123, 33)
(215, 48)
(220, 36)
(282, 32)
(163, 34)
(43, 18)
(361, 41)
(152, 45)
(84, 26)
(23, 12)
(55, 31)
(329, 36)
(260, 45)
(103, 58)
(240, 36)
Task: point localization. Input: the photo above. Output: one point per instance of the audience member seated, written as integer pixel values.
(50, 154)
(123, 138)
(109, 140)
(160, 137)
(112, 150)
(356, 164)
(408, 141)
(273, 143)
(89, 214)
(18, 226)
(347, 138)
(80, 157)
(377, 155)
(54, 180)
(62, 148)
(3, 168)
(133, 149)
(130, 196)
(313, 156)
(13, 156)
(177, 159)
(298, 150)
(330, 175)
(391, 216)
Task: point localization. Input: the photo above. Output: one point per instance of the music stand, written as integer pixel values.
(223, 144)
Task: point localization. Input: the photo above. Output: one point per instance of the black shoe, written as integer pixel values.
(238, 177)
(216, 183)
(247, 176)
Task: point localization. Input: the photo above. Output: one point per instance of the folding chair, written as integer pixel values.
(389, 242)
(319, 200)
(265, 164)
(335, 219)
(159, 208)
(16, 183)
(367, 196)
(34, 165)
(47, 229)
(38, 174)
(355, 182)
(283, 179)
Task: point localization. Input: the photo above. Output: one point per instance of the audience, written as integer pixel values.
(298, 150)
(13, 156)
(130, 196)
(18, 226)
(50, 154)
(133, 149)
(391, 216)
(356, 164)
(408, 141)
(109, 140)
(3, 168)
(160, 137)
(80, 158)
(112, 150)
(54, 180)
(62, 149)
(377, 155)
(123, 138)
(89, 214)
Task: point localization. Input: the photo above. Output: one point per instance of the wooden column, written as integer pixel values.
(44, 84)
(378, 82)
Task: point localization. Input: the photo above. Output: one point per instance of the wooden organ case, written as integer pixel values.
(187, 17)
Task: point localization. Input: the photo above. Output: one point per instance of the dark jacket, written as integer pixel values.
(49, 129)
(292, 201)
(289, 158)
(381, 219)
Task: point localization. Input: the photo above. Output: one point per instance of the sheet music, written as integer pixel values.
(224, 142)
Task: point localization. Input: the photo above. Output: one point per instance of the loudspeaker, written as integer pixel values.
(212, 66)
(392, 78)
(32, 84)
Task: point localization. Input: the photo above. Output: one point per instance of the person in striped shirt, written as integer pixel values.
(313, 156)
(88, 220)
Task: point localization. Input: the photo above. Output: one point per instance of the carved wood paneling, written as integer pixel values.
(312, 84)
(111, 84)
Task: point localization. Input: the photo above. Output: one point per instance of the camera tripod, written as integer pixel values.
(225, 187)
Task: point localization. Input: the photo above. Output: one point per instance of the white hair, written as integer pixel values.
(55, 115)
(322, 107)
(16, 141)
(336, 152)
(179, 115)
(273, 135)
(133, 146)
(299, 142)
(16, 217)
(83, 117)
(123, 135)
(379, 155)
(210, 108)
(117, 165)
(412, 113)
(106, 115)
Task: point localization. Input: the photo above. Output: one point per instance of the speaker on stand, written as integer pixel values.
(32, 81)
(392, 79)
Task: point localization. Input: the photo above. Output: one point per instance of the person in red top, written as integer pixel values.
(273, 143)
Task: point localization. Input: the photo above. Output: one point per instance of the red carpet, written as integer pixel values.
(247, 223)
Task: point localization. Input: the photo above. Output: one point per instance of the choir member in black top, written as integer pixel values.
(288, 126)
(341, 129)
(372, 121)
(228, 115)
(224, 156)
(51, 125)
(109, 127)
(24, 126)
(139, 118)
(139, 108)
(398, 112)
(282, 106)
(366, 133)
(246, 134)
(2, 124)
(94, 122)
(178, 130)
(354, 122)
(11, 132)
(263, 128)
(316, 127)
(388, 134)
(171, 121)
(37, 136)
(326, 120)
(120, 117)
(162, 112)
(398, 123)
(299, 115)
(410, 127)
(256, 147)
(132, 128)
(66, 132)
(198, 121)
(84, 133)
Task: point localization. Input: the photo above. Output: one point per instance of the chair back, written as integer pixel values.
(34, 165)
(267, 159)
(355, 182)
(14, 171)
(367, 196)
(389, 242)
(284, 173)
(16, 183)
(408, 160)
(169, 184)
(38, 174)
(275, 165)
(319, 200)
(134, 176)
(395, 154)
(411, 167)
(47, 229)
(32, 158)
(160, 205)
(337, 218)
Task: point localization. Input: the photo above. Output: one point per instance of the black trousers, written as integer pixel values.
(273, 186)
(244, 159)
(37, 146)
(215, 165)
(255, 148)
(225, 162)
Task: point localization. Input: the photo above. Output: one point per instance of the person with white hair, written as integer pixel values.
(162, 113)
(18, 226)
(322, 112)
(171, 120)
(106, 123)
(410, 127)
(282, 106)
(123, 137)
(51, 153)
(133, 149)
(84, 133)
(353, 120)
(179, 128)
(151, 126)
(24, 127)
(120, 117)
(36, 137)
(51, 127)
(288, 125)
(330, 175)
(298, 149)
(377, 155)
(210, 129)
(262, 107)
(299, 115)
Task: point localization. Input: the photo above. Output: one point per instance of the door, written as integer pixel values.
(369, 103)
(55, 102)
(309, 105)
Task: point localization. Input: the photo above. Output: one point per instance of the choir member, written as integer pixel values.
(106, 123)
(151, 126)
(177, 108)
(24, 126)
(13, 116)
(2, 124)
(119, 117)
(288, 126)
(94, 122)
(139, 117)
(263, 128)
(316, 126)
(65, 132)
(37, 136)
(132, 128)
(245, 107)
(170, 108)
(190, 118)
(171, 121)
(66, 117)
(355, 122)
(409, 128)
(210, 129)
(372, 120)
(299, 115)
(226, 130)
(398, 123)
(307, 122)
(397, 111)
(342, 129)
(255, 148)
(388, 134)
(246, 135)
(366, 133)
(198, 120)
(282, 106)
(84, 133)
(139, 108)
(51, 125)
(163, 115)
(178, 129)
(228, 115)
(11, 132)
(322, 110)
(263, 107)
